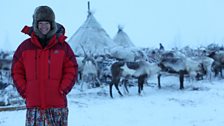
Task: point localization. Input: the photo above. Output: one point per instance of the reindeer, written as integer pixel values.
(205, 65)
(218, 63)
(140, 70)
(177, 63)
(5, 66)
(89, 71)
(80, 66)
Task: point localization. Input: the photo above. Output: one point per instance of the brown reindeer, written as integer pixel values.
(140, 70)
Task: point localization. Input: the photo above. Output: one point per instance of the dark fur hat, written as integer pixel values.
(44, 13)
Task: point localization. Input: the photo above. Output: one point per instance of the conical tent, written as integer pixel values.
(92, 38)
(122, 39)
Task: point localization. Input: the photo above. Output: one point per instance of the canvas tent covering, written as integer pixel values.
(92, 37)
(122, 39)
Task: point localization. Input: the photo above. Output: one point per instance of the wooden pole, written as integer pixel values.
(89, 8)
(12, 108)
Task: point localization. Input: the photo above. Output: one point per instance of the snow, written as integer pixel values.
(127, 54)
(199, 104)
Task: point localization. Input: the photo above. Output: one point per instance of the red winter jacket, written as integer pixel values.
(44, 76)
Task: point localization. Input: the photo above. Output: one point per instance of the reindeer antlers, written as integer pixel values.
(83, 50)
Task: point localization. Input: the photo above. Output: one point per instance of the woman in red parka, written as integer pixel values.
(44, 70)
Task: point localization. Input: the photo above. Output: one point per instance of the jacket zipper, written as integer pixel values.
(49, 63)
(36, 64)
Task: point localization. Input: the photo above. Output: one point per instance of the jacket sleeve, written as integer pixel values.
(70, 69)
(18, 72)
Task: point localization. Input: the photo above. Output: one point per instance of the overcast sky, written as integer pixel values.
(147, 22)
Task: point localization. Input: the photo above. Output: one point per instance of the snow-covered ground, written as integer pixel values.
(199, 104)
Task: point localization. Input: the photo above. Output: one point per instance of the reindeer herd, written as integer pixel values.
(107, 70)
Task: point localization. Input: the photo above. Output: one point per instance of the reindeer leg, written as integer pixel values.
(141, 80)
(125, 85)
(111, 85)
(159, 77)
(81, 86)
(221, 72)
(181, 78)
(116, 86)
(80, 75)
(98, 81)
(115, 82)
(140, 87)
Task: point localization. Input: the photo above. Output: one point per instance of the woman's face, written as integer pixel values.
(44, 27)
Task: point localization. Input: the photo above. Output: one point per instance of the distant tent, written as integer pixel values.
(122, 39)
(92, 37)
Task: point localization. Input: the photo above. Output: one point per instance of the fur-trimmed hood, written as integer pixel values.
(44, 13)
(60, 33)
